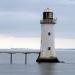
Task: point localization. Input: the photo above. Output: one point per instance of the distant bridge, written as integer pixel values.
(11, 52)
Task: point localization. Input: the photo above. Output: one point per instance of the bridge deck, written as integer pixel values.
(11, 52)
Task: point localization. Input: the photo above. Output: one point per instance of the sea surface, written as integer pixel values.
(32, 68)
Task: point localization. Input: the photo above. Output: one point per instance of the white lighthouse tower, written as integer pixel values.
(48, 53)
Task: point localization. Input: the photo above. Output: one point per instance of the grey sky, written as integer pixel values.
(22, 17)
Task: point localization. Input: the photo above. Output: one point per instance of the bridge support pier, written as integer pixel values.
(25, 58)
(10, 58)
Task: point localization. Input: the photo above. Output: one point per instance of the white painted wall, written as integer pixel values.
(47, 41)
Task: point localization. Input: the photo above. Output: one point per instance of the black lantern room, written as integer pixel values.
(47, 15)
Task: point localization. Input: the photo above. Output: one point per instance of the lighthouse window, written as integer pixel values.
(51, 15)
(49, 33)
(41, 41)
(49, 48)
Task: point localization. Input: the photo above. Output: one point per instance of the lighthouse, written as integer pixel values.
(48, 53)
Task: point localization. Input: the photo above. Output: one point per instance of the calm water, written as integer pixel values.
(32, 68)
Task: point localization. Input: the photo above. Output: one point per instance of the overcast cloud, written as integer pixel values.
(22, 17)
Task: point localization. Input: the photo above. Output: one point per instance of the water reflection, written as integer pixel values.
(47, 68)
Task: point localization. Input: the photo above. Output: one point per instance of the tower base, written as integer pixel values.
(49, 60)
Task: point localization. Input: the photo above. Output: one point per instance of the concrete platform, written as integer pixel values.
(44, 60)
